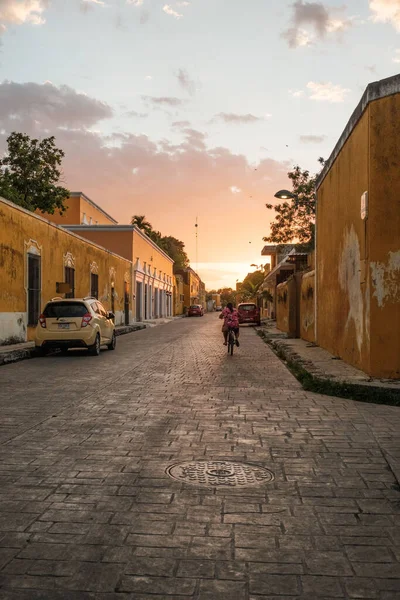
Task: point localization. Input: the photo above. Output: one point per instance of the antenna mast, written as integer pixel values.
(197, 246)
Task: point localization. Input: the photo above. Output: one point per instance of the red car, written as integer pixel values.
(196, 310)
(249, 313)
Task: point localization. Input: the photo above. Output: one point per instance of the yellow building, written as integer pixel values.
(80, 210)
(36, 255)
(179, 295)
(153, 268)
(358, 237)
(193, 288)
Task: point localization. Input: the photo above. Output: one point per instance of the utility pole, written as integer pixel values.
(197, 246)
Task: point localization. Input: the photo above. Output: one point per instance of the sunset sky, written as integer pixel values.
(191, 108)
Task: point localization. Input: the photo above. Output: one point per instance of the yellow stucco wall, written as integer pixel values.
(20, 231)
(120, 242)
(178, 295)
(358, 261)
(282, 307)
(384, 237)
(149, 254)
(78, 208)
(342, 279)
(307, 307)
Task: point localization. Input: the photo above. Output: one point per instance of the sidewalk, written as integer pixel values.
(17, 352)
(320, 363)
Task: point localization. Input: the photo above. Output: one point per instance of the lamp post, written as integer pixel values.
(285, 195)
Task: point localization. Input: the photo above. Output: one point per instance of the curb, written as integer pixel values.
(316, 382)
(25, 353)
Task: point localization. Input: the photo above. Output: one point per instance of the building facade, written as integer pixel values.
(153, 277)
(358, 237)
(36, 255)
(80, 210)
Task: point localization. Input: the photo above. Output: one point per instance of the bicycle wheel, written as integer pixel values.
(231, 342)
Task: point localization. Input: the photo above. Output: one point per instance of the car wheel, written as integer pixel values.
(40, 351)
(113, 343)
(95, 349)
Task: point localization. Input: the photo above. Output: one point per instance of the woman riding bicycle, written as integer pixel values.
(231, 321)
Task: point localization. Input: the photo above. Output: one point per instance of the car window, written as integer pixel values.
(102, 310)
(94, 306)
(247, 307)
(195, 306)
(55, 310)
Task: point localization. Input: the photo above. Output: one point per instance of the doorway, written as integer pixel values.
(138, 301)
(126, 303)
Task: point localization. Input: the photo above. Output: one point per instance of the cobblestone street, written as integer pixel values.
(87, 510)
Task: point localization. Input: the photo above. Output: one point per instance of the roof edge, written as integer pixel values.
(61, 228)
(374, 91)
(92, 203)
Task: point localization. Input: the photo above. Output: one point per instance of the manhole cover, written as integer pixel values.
(220, 473)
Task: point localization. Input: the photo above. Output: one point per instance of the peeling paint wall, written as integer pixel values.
(386, 279)
(358, 261)
(287, 300)
(307, 307)
(342, 251)
(282, 307)
(384, 237)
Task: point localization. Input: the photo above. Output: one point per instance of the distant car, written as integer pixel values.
(75, 323)
(218, 308)
(249, 313)
(196, 310)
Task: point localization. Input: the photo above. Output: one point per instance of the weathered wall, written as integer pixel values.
(288, 305)
(282, 307)
(384, 237)
(342, 279)
(22, 232)
(307, 307)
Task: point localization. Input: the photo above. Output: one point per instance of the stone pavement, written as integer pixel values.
(88, 512)
(24, 350)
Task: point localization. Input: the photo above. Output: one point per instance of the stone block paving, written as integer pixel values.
(87, 510)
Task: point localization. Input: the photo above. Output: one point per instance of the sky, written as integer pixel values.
(185, 109)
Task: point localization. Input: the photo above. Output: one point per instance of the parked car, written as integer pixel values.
(218, 308)
(249, 313)
(75, 323)
(196, 310)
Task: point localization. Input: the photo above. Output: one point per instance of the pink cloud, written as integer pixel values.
(170, 183)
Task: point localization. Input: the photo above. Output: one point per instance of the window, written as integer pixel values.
(94, 285)
(55, 310)
(70, 278)
(33, 289)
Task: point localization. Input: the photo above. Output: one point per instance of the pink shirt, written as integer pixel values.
(231, 319)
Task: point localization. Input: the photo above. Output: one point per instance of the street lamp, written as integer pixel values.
(285, 195)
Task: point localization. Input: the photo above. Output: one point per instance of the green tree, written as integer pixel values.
(227, 295)
(30, 172)
(295, 218)
(175, 250)
(251, 284)
(169, 244)
(142, 224)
